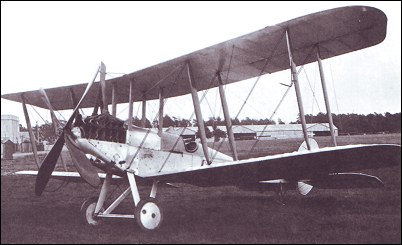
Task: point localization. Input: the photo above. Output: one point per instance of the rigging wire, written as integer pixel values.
(280, 102)
(270, 118)
(267, 60)
(182, 131)
(157, 114)
(312, 90)
(124, 109)
(184, 128)
(312, 103)
(210, 108)
(38, 114)
(334, 90)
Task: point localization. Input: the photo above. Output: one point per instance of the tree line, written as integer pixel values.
(346, 123)
(360, 124)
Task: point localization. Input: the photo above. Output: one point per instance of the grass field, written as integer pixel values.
(211, 215)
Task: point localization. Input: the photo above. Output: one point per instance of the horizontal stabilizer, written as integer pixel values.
(304, 188)
(347, 180)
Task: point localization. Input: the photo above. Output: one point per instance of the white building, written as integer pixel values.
(266, 132)
(286, 131)
(10, 128)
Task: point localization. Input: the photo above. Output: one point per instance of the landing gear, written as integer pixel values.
(148, 214)
(280, 193)
(88, 211)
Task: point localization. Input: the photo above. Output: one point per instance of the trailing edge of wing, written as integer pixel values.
(347, 180)
(336, 32)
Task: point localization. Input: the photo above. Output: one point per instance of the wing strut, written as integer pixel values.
(295, 81)
(324, 90)
(130, 105)
(31, 134)
(144, 111)
(198, 114)
(114, 99)
(227, 117)
(160, 114)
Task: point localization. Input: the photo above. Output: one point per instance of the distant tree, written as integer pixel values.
(194, 123)
(359, 123)
(298, 120)
(265, 121)
(210, 122)
(23, 129)
(181, 122)
(217, 133)
(235, 121)
(208, 132)
(280, 121)
(220, 122)
(46, 132)
(138, 122)
(168, 122)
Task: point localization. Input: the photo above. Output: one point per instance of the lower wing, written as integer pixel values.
(69, 176)
(318, 165)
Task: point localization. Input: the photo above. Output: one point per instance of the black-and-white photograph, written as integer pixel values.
(201, 122)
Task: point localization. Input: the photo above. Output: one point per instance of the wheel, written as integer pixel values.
(148, 214)
(88, 211)
(313, 145)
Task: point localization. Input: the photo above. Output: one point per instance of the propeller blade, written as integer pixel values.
(103, 86)
(48, 165)
(84, 167)
(82, 99)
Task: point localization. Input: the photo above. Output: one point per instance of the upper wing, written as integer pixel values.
(336, 31)
(291, 166)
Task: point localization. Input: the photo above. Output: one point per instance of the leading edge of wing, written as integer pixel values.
(69, 176)
(292, 166)
(336, 31)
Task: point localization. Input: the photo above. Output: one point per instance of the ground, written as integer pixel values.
(208, 215)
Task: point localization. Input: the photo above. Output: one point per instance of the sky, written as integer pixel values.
(51, 44)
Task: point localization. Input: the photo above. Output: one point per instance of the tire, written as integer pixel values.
(88, 211)
(148, 214)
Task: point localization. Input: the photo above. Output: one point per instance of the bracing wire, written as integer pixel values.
(312, 90)
(38, 114)
(157, 114)
(184, 128)
(267, 61)
(270, 118)
(312, 103)
(334, 90)
(280, 102)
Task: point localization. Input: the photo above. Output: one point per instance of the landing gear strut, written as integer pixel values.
(280, 193)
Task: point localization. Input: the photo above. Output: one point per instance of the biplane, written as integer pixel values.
(101, 142)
